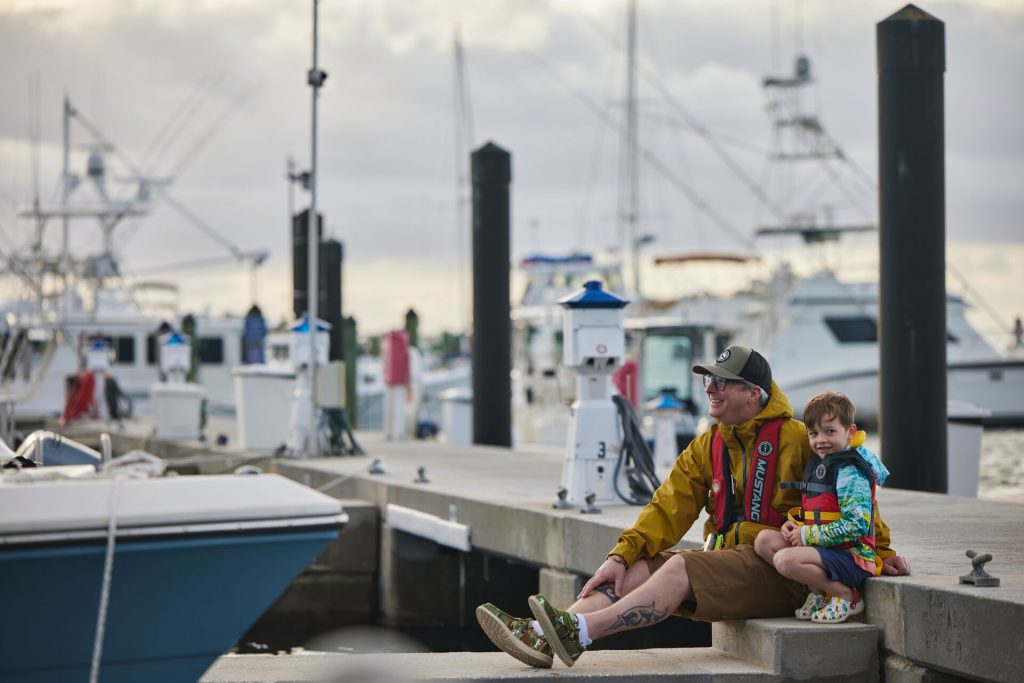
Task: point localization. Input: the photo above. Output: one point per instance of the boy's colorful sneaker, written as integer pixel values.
(561, 629)
(815, 601)
(514, 636)
(837, 610)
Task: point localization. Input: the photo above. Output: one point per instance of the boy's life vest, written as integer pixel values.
(760, 482)
(819, 499)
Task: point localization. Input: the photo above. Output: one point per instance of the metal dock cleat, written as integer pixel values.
(588, 504)
(562, 503)
(978, 576)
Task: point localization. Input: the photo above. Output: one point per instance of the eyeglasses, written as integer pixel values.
(721, 383)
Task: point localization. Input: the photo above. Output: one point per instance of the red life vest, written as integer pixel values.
(819, 499)
(760, 483)
(81, 398)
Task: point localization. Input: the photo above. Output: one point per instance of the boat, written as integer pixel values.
(60, 302)
(115, 576)
(839, 322)
(820, 332)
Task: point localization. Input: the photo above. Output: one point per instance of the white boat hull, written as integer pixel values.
(994, 386)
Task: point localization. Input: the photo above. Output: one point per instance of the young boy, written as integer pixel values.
(830, 544)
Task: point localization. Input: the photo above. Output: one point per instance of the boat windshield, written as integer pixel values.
(666, 363)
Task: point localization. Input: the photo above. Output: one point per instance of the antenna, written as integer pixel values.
(35, 127)
(34, 131)
(315, 79)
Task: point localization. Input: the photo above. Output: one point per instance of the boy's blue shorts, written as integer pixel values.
(840, 567)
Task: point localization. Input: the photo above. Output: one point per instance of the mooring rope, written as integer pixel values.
(108, 568)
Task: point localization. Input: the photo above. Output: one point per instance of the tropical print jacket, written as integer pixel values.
(856, 505)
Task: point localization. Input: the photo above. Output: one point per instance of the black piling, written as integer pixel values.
(912, 243)
(300, 261)
(412, 327)
(331, 261)
(492, 327)
(350, 350)
(329, 294)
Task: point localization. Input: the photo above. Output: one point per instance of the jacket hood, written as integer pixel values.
(868, 456)
(778, 405)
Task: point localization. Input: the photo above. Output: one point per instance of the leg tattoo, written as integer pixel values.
(643, 615)
(608, 591)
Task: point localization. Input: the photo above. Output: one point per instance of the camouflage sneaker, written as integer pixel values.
(561, 629)
(514, 636)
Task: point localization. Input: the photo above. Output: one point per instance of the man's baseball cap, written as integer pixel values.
(740, 363)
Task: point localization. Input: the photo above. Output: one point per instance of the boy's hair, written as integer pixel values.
(829, 404)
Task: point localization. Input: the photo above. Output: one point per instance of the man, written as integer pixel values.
(733, 471)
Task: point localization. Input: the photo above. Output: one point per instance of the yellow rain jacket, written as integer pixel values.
(677, 503)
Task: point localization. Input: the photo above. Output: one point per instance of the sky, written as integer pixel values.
(226, 83)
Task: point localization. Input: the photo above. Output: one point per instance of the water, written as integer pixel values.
(1001, 471)
(1001, 467)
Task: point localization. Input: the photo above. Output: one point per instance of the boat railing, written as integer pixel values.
(6, 420)
(26, 392)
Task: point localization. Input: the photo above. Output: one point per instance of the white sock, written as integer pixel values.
(585, 640)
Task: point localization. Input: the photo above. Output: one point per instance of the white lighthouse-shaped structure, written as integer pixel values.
(666, 409)
(594, 347)
(300, 438)
(177, 405)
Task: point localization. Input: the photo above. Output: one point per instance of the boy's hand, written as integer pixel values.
(791, 532)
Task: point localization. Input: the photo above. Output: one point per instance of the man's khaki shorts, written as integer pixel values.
(734, 584)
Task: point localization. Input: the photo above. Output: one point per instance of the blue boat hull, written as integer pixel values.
(176, 604)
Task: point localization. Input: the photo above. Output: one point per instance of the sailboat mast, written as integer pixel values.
(629, 156)
(464, 138)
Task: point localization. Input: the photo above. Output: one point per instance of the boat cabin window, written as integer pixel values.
(856, 330)
(123, 348)
(665, 363)
(279, 352)
(862, 330)
(211, 350)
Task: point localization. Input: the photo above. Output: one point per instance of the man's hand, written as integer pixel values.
(896, 566)
(610, 571)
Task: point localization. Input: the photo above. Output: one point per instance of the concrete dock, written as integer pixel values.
(925, 627)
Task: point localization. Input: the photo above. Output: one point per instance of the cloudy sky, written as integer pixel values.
(225, 82)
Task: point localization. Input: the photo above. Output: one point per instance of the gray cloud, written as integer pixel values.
(386, 136)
